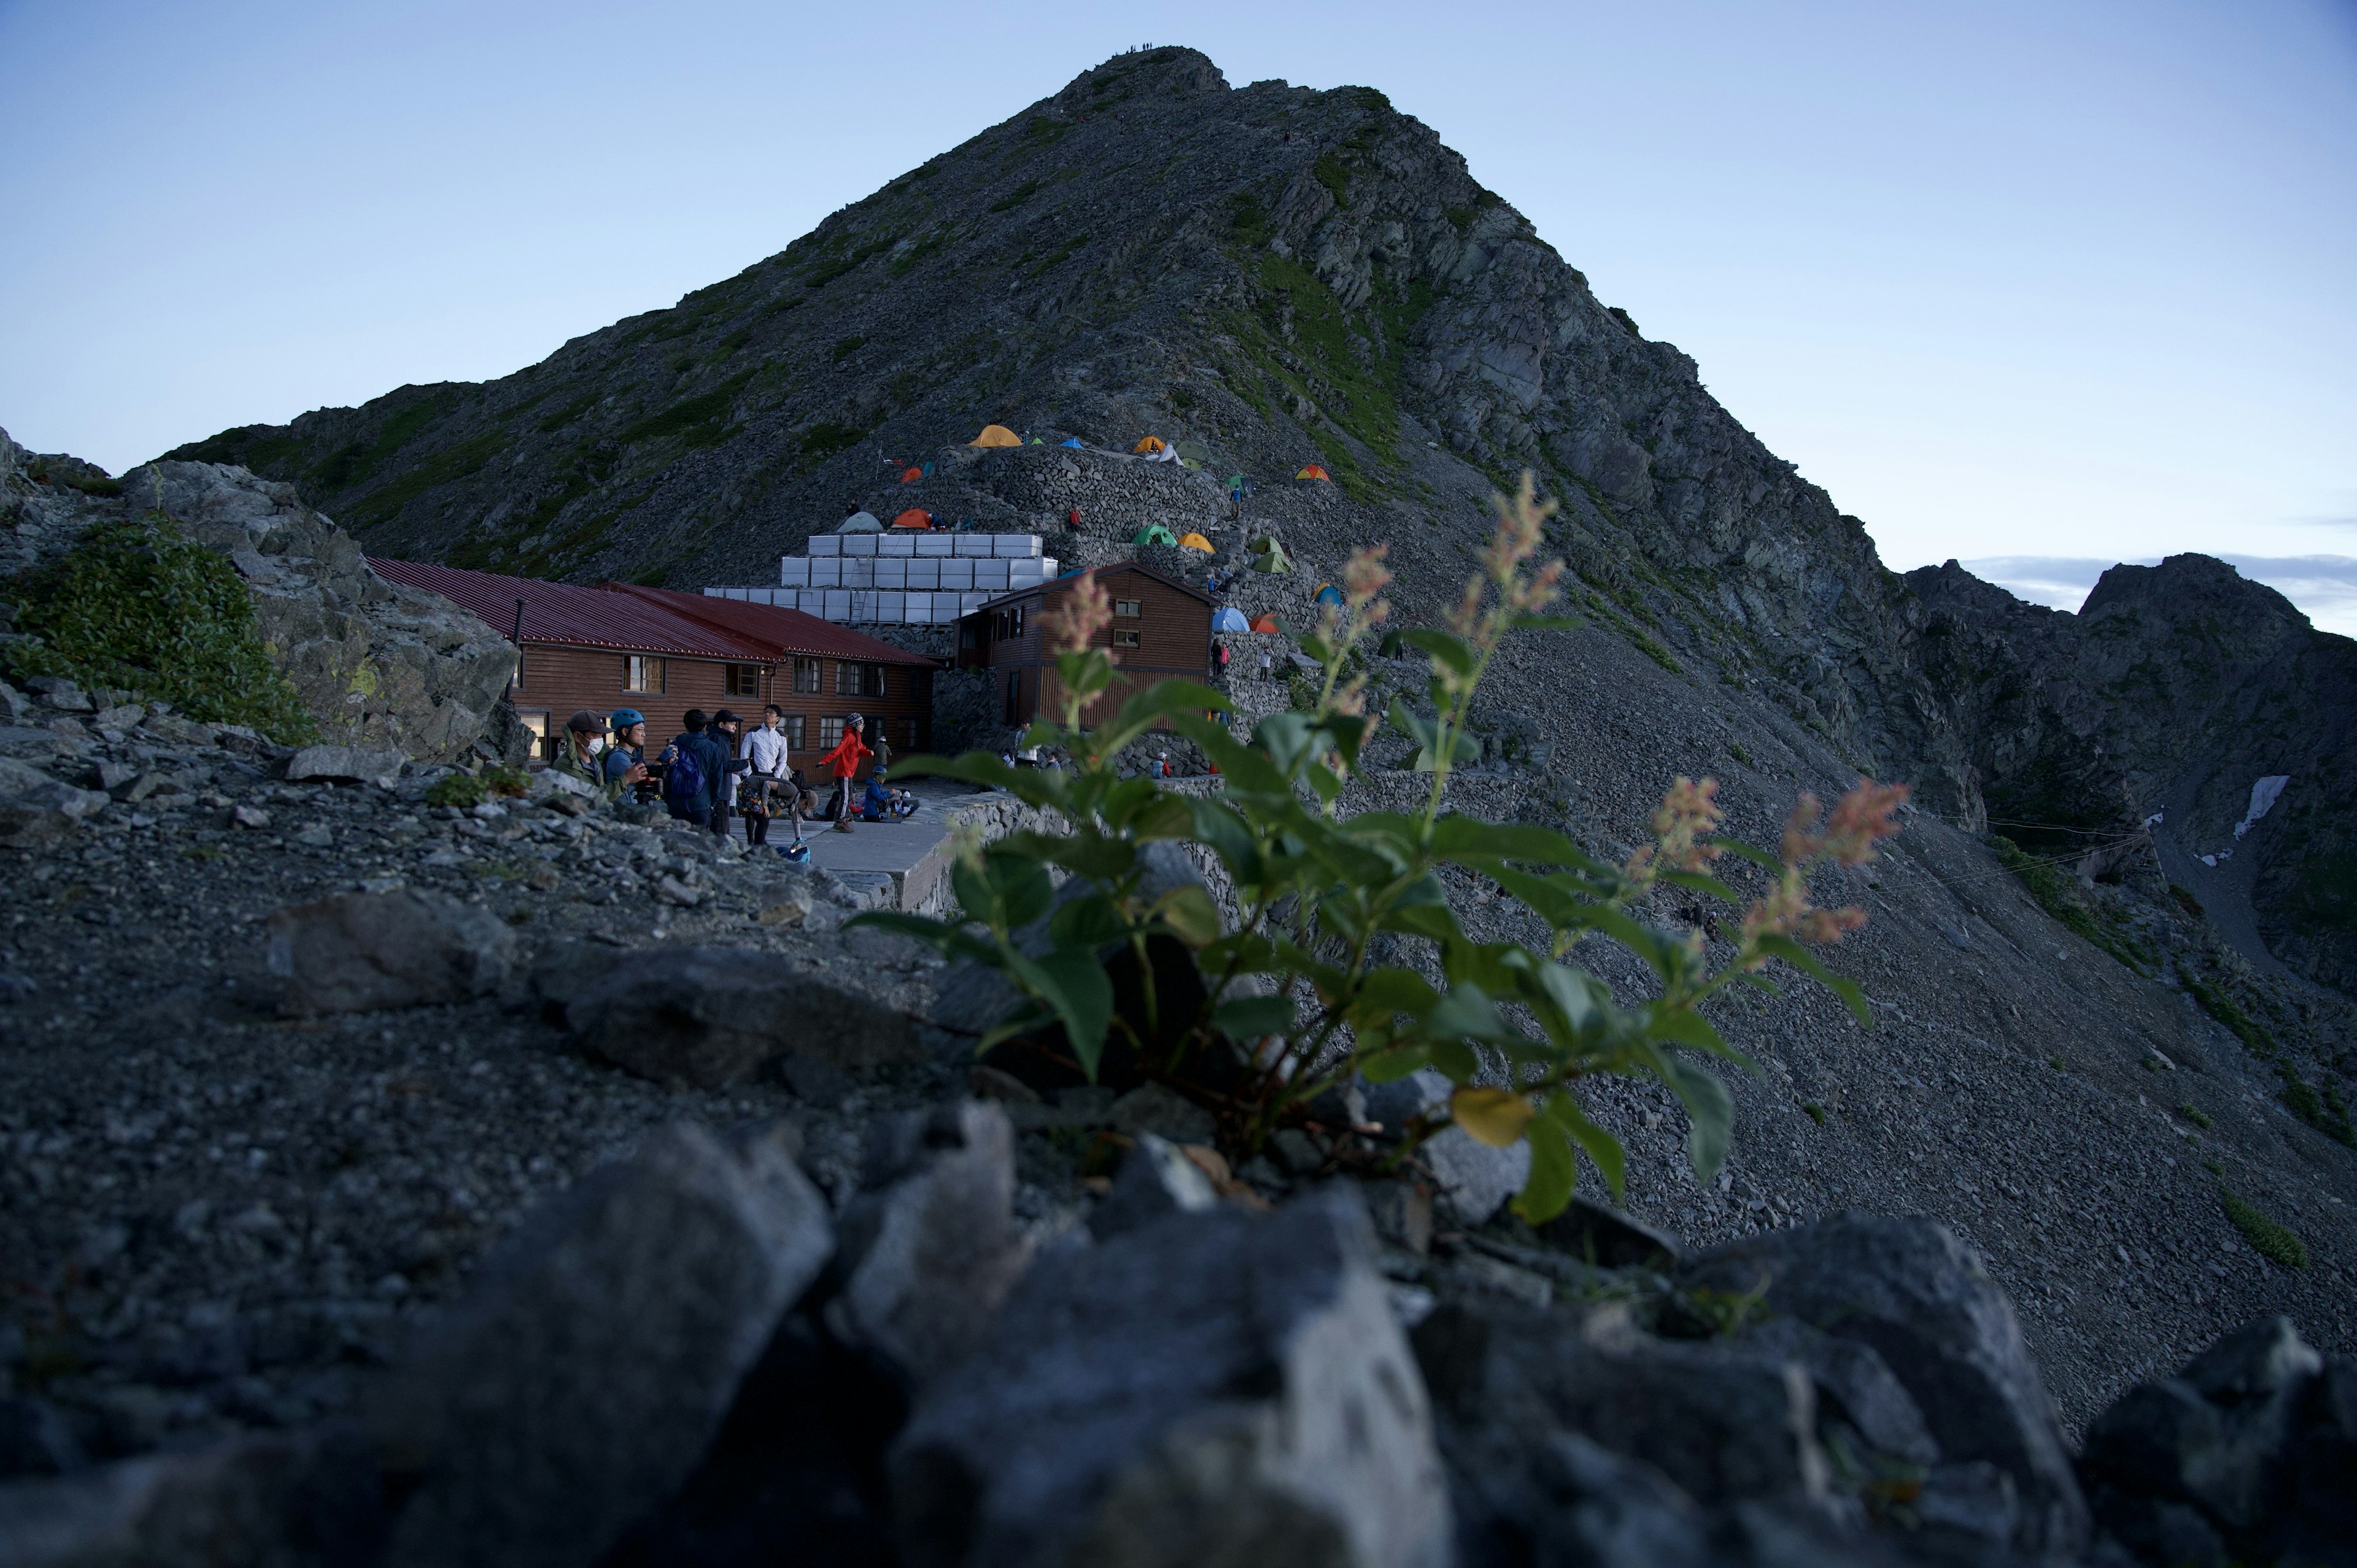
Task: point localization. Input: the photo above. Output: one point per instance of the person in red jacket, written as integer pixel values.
(843, 762)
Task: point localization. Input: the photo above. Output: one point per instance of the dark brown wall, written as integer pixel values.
(561, 680)
(1175, 641)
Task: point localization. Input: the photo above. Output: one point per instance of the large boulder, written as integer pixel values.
(356, 952)
(1216, 1387)
(588, 1370)
(1909, 1290)
(711, 1016)
(2248, 1453)
(346, 764)
(930, 1246)
(35, 808)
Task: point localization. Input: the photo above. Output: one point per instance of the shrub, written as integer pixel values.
(2272, 1241)
(137, 604)
(1328, 905)
(2194, 1115)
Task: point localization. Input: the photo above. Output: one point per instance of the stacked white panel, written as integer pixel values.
(902, 544)
(862, 544)
(934, 544)
(827, 543)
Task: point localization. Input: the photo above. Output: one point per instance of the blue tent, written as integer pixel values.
(1228, 619)
(1072, 441)
(1328, 593)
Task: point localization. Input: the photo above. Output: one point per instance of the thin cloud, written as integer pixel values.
(2324, 588)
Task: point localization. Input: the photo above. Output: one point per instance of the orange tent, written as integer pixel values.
(1264, 621)
(1193, 542)
(996, 435)
(909, 476)
(1313, 472)
(1151, 444)
(915, 517)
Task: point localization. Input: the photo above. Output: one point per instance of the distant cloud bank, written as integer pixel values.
(2323, 586)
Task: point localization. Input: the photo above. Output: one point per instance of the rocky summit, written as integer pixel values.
(394, 1180)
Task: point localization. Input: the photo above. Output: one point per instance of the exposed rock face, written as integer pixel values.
(2174, 691)
(1306, 277)
(380, 665)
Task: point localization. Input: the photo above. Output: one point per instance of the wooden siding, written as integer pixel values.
(1174, 629)
(560, 680)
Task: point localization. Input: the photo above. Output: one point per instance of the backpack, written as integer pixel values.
(684, 781)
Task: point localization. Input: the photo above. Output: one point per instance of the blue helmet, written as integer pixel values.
(625, 717)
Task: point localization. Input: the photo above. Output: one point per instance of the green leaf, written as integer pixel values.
(1250, 1017)
(1466, 841)
(1446, 647)
(1554, 1172)
(1076, 986)
(1710, 1110)
(1466, 1012)
(1086, 922)
(1189, 913)
(1804, 960)
(1167, 816)
(1388, 1067)
(1757, 856)
(1599, 1145)
(1701, 883)
(1020, 888)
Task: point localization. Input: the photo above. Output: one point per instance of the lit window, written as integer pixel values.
(640, 673)
(536, 721)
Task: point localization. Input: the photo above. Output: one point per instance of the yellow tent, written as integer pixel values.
(996, 435)
(1151, 444)
(1313, 472)
(1193, 542)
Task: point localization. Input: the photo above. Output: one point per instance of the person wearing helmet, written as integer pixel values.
(843, 762)
(625, 762)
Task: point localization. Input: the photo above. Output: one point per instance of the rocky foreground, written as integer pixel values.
(390, 1182)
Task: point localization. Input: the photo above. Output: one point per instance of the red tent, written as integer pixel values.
(1312, 471)
(914, 517)
(909, 476)
(1264, 621)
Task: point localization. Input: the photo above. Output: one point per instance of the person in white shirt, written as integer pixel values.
(764, 748)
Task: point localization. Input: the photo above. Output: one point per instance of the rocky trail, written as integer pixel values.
(388, 1182)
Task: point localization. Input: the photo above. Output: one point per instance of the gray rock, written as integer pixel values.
(931, 1248)
(2225, 1438)
(1917, 1297)
(1854, 1384)
(359, 952)
(306, 1499)
(35, 808)
(714, 1015)
(59, 695)
(580, 1381)
(1218, 1387)
(1475, 1179)
(346, 763)
(1609, 1238)
(1156, 1180)
(18, 707)
(1164, 1111)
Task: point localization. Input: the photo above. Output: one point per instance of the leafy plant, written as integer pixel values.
(466, 790)
(1317, 979)
(137, 605)
(2194, 1115)
(2271, 1240)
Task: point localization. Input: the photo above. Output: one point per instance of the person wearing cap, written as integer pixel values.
(723, 735)
(625, 762)
(882, 803)
(843, 763)
(573, 750)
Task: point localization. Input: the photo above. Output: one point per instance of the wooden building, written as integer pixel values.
(1161, 629)
(621, 646)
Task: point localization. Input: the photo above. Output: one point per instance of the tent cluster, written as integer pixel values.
(1153, 448)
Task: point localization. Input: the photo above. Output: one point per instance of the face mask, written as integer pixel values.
(597, 745)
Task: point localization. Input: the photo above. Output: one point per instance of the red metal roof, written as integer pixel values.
(567, 612)
(649, 620)
(781, 630)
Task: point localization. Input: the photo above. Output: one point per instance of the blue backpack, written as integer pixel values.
(683, 782)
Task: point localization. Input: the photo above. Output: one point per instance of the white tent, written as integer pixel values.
(861, 522)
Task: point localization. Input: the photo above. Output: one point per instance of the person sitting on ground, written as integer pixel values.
(881, 804)
(625, 762)
(843, 763)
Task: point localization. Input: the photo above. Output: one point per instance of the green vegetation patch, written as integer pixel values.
(2057, 893)
(698, 421)
(1335, 175)
(137, 604)
(2195, 1114)
(452, 464)
(1018, 197)
(2273, 1242)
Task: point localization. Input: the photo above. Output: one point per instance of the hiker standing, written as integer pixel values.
(764, 755)
(843, 762)
(723, 735)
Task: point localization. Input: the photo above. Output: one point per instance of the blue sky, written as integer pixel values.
(2042, 283)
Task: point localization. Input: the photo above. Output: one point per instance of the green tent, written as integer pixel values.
(1272, 559)
(1154, 533)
